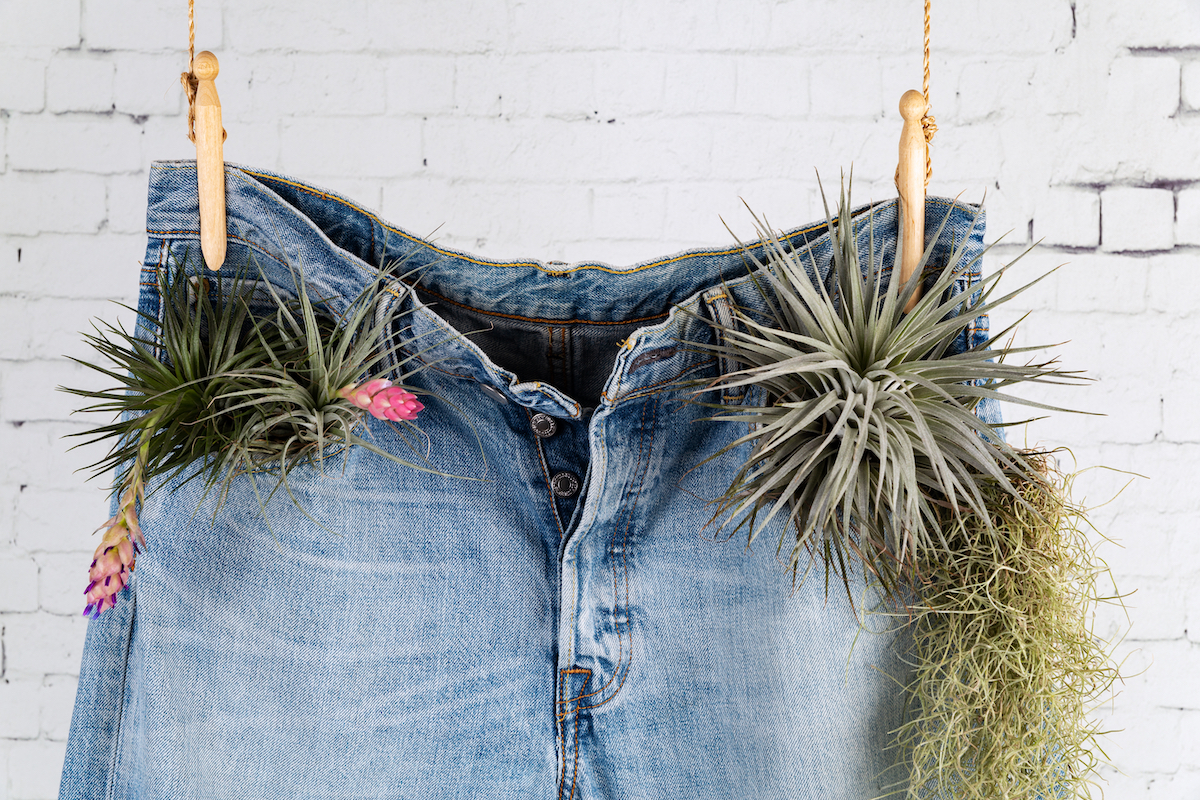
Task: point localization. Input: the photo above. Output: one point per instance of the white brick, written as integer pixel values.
(434, 28)
(19, 709)
(628, 84)
(546, 85)
(984, 89)
(37, 455)
(83, 144)
(275, 24)
(803, 27)
(1174, 23)
(329, 84)
(59, 335)
(73, 265)
(540, 26)
(57, 705)
(1189, 738)
(1093, 282)
(1191, 602)
(1185, 556)
(1143, 88)
(1032, 27)
(60, 202)
(382, 147)
(127, 203)
(8, 515)
(52, 23)
(149, 84)
(29, 391)
(255, 144)
(19, 577)
(697, 84)
(1170, 488)
(1134, 554)
(675, 26)
(1068, 217)
(49, 521)
(847, 86)
(1172, 682)
(79, 84)
(419, 84)
(974, 156)
(34, 769)
(40, 644)
(62, 578)
(1172, 280)
(1137, 219)
(1187, 217)
(634, 212)
(1157, 609)
(1190, 85)
(527, 151)
(1180, 423)
(151, 25)
(1008, 212)
(1148, 738)
(23, 86)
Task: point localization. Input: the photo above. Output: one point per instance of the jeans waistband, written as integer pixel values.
(340, 248)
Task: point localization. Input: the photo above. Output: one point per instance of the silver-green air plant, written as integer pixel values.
(867, 434)
(866, 452)
(235, 380)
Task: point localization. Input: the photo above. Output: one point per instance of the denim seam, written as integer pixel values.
(587, 673)
(653, 388)
(536, 265)
(186, 235)
(625, 499)
(115, 762)
(645, 468)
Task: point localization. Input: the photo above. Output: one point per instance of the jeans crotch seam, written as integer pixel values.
(573, 746)
(625, 664)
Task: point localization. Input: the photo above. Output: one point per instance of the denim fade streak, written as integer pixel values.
(451, 638)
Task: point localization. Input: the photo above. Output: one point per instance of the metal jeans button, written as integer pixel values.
(565, 484)
(544, 425)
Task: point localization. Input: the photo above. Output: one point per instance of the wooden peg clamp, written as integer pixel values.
(210, 160)
(910, 181)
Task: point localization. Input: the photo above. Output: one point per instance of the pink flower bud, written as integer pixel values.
(361, 396)
(383, 400)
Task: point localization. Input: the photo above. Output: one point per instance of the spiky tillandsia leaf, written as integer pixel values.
(868, 433)
(220, 389)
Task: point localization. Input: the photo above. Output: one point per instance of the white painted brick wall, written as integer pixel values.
(620, 132)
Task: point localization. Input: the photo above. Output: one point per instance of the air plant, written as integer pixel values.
(868, 435)
(866, 451)
(1006, 664)
(216, 391)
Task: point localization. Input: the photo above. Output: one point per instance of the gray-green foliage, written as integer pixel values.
(868, 433)
(1006, 664)
(221, 389)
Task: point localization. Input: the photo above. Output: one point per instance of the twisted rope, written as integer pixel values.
(928, 123)
(189, 79)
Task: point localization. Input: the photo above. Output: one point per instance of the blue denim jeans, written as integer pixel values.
(569, 626)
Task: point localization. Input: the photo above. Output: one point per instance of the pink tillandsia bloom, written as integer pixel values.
(382, 400)
(113, 563)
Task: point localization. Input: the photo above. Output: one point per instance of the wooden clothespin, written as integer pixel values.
(210, 160)
(910, 182)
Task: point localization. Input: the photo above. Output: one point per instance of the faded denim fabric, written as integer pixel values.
(451, 638)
